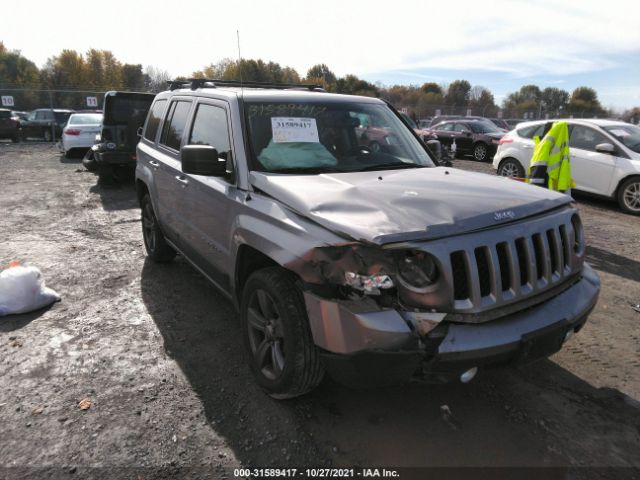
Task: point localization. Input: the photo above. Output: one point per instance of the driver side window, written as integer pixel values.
(460, 127)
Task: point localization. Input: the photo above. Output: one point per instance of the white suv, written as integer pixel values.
(605, 157)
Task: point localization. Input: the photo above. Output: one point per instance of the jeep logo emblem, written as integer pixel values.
(504, 215)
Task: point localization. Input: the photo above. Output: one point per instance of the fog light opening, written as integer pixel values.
(467, 376)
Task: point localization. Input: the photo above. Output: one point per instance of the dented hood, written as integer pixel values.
(410, 204)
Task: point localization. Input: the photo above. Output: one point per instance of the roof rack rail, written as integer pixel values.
(195, 83)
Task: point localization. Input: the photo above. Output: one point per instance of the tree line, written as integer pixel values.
(66, 79)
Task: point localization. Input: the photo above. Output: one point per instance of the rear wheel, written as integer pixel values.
(157, 248)
(282, 356)
(480, 152)
(89, 161)
(510, 167)
(629, 196)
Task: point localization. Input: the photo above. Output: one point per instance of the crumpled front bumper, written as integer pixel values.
(380, 347)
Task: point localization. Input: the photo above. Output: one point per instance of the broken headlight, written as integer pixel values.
(417, 270)
(369, 284)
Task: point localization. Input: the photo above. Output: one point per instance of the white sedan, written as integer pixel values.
(605, 157)
(80, 131)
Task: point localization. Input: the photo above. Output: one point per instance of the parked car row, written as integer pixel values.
(605, 157)
(45, 123)
(476, 137)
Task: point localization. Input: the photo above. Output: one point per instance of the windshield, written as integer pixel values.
(629, 135)
(333, 137)
(484, 127)
(85, 119)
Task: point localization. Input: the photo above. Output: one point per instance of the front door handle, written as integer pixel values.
(153, 163)
(182, 179)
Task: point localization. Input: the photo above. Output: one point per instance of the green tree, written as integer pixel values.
(527, 99)
(482, 101)
(554, 100)
(431, 87)
(352, 85)
(458, 93)
(132, 77)
(323, 73)
(66, 71)
(17, 71)
(584, 101)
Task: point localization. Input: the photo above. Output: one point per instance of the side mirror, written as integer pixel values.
(605, 148)
(139, 132)
(202, 160)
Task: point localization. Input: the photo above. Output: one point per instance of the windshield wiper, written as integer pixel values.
(306, 170)
(391, 166)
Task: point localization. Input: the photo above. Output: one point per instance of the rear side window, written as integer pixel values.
(155, 115)
(210, 128)
(174, 124)
(531, 131)
(446, 127)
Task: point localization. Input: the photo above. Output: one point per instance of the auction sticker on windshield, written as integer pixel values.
(294, 129)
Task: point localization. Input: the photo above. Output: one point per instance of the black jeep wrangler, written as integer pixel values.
(115, 148)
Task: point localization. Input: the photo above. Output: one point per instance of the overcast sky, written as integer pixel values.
(498, 44)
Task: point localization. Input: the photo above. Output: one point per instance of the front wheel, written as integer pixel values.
(511, 168)
(157, 248)
(480, 152)
(283, 358)
(629, 196)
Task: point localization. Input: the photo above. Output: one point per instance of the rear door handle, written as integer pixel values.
(182, 179)
(153, 163)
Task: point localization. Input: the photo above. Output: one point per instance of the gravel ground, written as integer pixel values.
(158, 353)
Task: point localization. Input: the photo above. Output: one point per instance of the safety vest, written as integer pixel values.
(550, 164)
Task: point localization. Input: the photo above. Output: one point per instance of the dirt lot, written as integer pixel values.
(158, 353)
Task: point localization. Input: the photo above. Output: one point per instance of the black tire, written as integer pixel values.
(89, 161)
(283, 358)
(15, 138)
(510, 167)
(629, 196)
(156, 246)
(480, 152)
(46, 134)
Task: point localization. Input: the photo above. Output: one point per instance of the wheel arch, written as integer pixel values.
(505, 159)
(616, 191)
(248, 260)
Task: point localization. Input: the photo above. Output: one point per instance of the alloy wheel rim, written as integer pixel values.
(631, 196)
(148, 225)
(480, 152)
(509, 170)
(266, 335)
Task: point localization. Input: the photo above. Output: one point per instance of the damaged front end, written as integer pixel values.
(440, 309)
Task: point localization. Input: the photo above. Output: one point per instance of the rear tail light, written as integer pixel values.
(504, 140)
(71, 132)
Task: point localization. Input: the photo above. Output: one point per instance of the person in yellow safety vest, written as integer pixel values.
(550, 164)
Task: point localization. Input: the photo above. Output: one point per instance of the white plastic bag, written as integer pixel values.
(22, 290)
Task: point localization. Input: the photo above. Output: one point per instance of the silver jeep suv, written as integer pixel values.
(371, 264)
